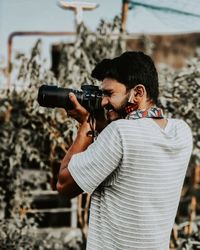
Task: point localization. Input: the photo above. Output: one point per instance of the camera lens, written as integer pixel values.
(52, 97)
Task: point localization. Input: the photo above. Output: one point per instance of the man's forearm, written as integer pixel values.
(66, 183)
(80, 144)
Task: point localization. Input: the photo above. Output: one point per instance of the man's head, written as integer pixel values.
(130, 77)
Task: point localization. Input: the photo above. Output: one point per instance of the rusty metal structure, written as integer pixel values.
(29, 33)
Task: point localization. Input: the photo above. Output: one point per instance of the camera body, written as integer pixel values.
(54, 97)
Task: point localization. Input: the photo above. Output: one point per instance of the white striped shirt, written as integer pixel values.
(135, 171)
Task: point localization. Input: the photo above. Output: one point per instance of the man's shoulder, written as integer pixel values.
(181, 124)
(114, 128)
(180, 128)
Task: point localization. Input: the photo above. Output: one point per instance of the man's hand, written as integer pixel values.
(79, 113)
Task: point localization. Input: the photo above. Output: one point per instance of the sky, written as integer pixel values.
(45, 15)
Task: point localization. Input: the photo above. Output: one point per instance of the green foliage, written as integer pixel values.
(180, 93)
(179, 96)
(22, 233)
(32, 137)
(27, 132)
(78, 59)
(17, 233)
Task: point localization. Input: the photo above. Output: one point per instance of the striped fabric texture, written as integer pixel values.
(134, 171)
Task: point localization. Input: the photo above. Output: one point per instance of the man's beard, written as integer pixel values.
(118, 111)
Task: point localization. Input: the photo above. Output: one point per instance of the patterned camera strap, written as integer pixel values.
(153, 112)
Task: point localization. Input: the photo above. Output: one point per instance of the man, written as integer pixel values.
(136, 167)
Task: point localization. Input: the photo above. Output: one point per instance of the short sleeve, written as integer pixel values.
(91, 167)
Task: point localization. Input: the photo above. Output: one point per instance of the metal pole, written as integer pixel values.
(125, 5)
(28, 33)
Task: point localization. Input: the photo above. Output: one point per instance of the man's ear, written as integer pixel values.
(139, 92)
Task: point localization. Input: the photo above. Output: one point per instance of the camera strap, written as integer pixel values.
(92, 133)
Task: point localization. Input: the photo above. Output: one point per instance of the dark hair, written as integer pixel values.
(130, 68)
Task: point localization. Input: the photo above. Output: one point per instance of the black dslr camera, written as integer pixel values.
(53, 97)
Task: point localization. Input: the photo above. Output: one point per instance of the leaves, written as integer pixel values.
(180, 93)
(32, 137)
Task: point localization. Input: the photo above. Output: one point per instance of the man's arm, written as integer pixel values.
(66, 184)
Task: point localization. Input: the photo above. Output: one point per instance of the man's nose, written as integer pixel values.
(104, 101)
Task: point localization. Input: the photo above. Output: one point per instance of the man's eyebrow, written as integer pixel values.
(107, 90)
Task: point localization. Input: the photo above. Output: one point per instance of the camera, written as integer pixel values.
(89, 97)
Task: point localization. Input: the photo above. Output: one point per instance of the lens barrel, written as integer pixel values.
(54, 97)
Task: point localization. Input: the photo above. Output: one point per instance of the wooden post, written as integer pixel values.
(193, 205)
(124, 14)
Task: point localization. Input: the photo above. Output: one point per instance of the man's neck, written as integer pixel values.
(145, 105)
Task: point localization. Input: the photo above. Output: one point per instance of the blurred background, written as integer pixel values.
(59, 43)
